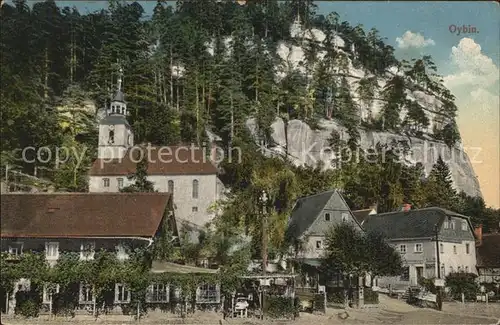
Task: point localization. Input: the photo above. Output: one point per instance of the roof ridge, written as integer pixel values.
(316, 194)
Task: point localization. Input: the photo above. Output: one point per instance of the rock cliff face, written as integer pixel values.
(305, 146)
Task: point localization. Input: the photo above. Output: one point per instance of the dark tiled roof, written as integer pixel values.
(418, 223)
(113, 120)
(73, 215)
(361, 215)
(171, 160)
(305, 212)
(488, 253)
(119, 96)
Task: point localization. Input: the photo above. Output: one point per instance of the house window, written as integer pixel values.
(171, 187)
(464, 225)
(86, 293)
(195, 189)
(454, 249)
(207, 293)
(105, 182)
(327, 216)
(466, 269)
(122, 293)
(451, 269)
(442, 270)
(157, 293)
(345, 217)
(15, 249)
(467, 249)
(446, 224)
(52, 250)
(48, 292)
(318, 244)
(441, 248)
(194, 209)
(452, 224)
(459, 269)
(121, 252)
(87, 251)
(402, 249)
(120, 182)
(418, 248)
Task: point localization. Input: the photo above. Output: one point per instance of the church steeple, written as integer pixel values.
(118, 105)
(115, 134)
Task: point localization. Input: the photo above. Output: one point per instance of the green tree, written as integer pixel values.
(439, 187)
(142, 184)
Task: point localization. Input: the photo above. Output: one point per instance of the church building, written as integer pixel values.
(186, 172)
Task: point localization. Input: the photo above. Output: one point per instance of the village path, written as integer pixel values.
(393, 311)
(388, 311)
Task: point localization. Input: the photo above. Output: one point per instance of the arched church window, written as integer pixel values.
(111, 137)
(195, 189)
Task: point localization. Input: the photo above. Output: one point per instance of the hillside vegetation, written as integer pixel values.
(212, 65)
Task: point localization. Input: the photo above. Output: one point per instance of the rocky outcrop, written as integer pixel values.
(305, 146)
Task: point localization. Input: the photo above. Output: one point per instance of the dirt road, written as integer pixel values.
(389, 311)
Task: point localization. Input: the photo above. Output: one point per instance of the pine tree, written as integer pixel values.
(142, 184)
(439, 187)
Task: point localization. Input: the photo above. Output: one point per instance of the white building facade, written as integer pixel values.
(187, 172)
(414, 233)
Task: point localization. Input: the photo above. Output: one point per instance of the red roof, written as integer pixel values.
(171, 160)
(73, 215)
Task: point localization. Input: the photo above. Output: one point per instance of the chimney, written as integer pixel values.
(406, 207)
(478, 233)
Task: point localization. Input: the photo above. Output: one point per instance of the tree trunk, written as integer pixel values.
(264, 240)
(197, 112)
(46, 73)
(172, 81)
(232, 119)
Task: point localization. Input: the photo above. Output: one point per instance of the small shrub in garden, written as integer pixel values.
(461, 282)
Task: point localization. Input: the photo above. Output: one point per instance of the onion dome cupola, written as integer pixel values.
(118, 105)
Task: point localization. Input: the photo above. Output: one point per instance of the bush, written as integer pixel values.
(319, 302)
(281, 307)
(371, 297)
(465, 283)
(428, 284)
(335, 295)
(28, 303)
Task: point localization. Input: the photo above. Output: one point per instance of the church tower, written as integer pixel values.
(115, 134)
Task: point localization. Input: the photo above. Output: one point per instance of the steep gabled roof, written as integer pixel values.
(79, 215)
(418, 223)
(488, 252)
(168, 160)
(306, 211)
(361, 215)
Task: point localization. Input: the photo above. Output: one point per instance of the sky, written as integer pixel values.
(468, 58)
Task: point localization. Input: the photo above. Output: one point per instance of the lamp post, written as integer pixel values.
(264, 231)
(438, 260)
